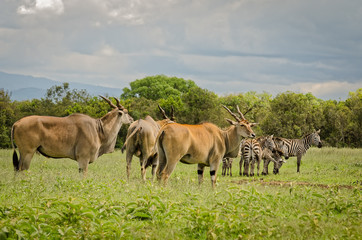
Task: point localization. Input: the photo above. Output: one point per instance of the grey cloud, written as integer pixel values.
(221, 45)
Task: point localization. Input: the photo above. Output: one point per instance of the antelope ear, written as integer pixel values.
(318, 131)
(253, 124)
(272, 135)
(231, 121)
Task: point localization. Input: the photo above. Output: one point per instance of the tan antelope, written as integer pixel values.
(203, 144)
(140, 141)
(77, 136)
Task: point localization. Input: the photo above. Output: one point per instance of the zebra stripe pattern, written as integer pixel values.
(251, 153)
(298, 147)
(226, 166)
(272, 156)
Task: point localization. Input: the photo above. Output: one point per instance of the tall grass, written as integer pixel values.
(52, 201)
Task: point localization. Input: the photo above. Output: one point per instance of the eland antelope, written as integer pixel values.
(140, 141)
(77, 136)
(203, 144)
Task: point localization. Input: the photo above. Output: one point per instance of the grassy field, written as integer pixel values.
(52, 201)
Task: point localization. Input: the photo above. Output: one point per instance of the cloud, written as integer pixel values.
(327, 89)
(54, 6)
(224, 46)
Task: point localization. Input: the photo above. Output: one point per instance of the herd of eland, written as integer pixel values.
(157, 143)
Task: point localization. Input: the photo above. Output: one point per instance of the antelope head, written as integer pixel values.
(242, 125)
(123, 112)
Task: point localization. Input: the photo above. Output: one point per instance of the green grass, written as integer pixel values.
(52, 201)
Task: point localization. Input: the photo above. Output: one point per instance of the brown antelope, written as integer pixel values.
(140, 141)
(77, 136)
(203, 144)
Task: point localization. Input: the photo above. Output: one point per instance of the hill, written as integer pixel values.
(24, 87)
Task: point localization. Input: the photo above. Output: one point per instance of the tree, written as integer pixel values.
(288, 115)
(64, 101)
(200, 105)
(157, 87)
(354, 103)
(293, 114)
(254, 106)
(6, 119)
(337, 117)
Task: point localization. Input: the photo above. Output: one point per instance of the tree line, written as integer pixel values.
(289, 114)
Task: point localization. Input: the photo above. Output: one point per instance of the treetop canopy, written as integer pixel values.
(158, 87)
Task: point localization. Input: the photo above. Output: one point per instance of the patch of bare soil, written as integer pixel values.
(290, 184)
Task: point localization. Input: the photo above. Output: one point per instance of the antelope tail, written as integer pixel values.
(16, 162)
(123, 148)
(136, 130)
(151, 159)
(154, 153)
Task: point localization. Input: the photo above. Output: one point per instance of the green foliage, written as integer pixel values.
(65, 101)
(289, 114)
(200, 105)
(354, 103)
(158, 87)
(6, 118)
(293, 115)
(255, 107)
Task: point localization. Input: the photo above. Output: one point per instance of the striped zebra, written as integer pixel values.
(270, 153)
(274, 156)
(252, 152)
(298, 147)
(227, 163)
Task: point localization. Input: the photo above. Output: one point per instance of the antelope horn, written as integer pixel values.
(108, 101)
(241, 115)
(172, 113)
(118, 104)
(162, 111)
(232, 114)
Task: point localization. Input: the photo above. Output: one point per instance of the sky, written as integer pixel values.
(225, 46)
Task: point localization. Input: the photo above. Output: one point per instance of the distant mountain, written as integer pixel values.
(23, 87)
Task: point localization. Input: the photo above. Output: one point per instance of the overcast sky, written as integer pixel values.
(225, 46)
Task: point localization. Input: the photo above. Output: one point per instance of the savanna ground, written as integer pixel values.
(52, 201)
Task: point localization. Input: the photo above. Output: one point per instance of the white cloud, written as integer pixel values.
(55, 6)
(326, 89)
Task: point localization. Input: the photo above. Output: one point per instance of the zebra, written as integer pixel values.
(274, 156)
(252, 151)
(298, 147)
(270, 152)
(227, 163)
(282, 150)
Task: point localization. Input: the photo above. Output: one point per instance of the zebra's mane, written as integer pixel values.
(278, 138)
(307, 135)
